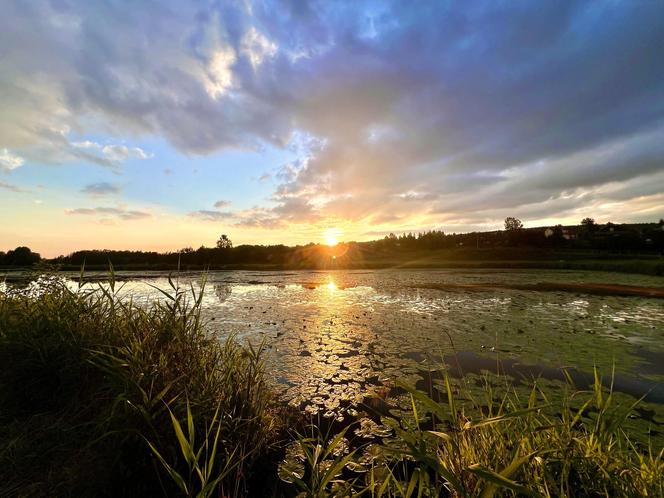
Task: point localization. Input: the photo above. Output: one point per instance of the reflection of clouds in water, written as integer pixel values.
(222, 291)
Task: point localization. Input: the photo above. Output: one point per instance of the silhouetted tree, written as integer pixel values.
(512, 223)
(224, 242)
(21, 256)
(589, 225)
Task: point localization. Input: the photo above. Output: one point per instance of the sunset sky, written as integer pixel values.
(159, 125)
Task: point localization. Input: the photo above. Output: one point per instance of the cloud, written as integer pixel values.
(424, 115)
(113, 153)
(114, 212)
(9, 161)
(414, 195)
(259, 218)
(100, 189)
(257, 47)
(11, 188)
(222, 204)
(206, 215)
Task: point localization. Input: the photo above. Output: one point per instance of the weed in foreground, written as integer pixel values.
(494, 445)
(96, 391)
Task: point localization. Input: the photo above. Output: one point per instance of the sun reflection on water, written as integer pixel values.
(334, 337)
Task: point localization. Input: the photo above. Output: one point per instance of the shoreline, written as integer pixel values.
(586, 288)
(653, 266)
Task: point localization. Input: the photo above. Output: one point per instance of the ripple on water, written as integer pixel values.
(338, 339)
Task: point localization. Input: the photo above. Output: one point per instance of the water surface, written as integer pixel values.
(337, 339)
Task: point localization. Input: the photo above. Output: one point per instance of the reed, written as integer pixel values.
(103, 396)
(96, 389)
(456, 443)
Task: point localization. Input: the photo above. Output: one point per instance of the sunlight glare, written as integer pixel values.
(331, 236)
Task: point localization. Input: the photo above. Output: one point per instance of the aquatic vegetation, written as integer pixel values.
(105, 393)
(494, 445)
(332, 347)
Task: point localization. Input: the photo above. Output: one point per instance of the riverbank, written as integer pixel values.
(102, 397)
(645, 265)
(585, 288)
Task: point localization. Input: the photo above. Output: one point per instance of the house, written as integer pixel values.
(569, 234)
(566, 233)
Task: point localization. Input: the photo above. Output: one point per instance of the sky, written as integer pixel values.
(159, 125)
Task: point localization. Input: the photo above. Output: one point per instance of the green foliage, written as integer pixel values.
(101, 396)
(96, 391)
(503, 445)
(315, 467)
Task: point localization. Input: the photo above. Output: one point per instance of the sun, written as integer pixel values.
(331, 236)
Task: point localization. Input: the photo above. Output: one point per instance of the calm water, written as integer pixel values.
(338, 338)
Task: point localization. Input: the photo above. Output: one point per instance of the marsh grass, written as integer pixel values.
(101, 396)
(96, 390)
(458, 444)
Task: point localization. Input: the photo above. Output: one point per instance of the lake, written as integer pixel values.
(338, 339)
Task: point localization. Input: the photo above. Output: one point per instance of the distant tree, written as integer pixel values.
(589, 225)
(558, 237)
(661, 222)
(21, 256)
(224, 242)
(186, 250)
(512, 224)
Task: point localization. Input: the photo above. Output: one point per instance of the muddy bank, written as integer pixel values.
(596, 289)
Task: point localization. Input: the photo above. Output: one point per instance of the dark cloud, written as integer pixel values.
(397, 110)
(101, 188)
(222, 204)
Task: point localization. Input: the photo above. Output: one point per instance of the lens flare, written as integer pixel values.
(331, 236)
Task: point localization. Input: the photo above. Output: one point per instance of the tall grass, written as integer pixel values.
(493, 445)
(95, 392)
(100, 396)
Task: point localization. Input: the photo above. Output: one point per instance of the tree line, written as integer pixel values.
(21, 256)
(645, 238)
